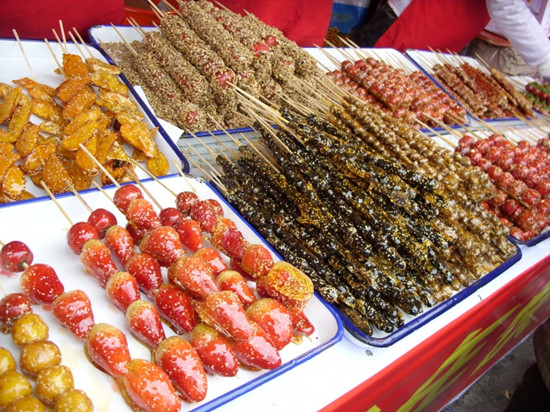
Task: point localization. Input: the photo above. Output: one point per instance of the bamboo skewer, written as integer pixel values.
(20, 44)
(54, 199)
(77, 195)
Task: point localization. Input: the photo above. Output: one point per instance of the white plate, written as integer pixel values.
(43, 228)
(43, 64)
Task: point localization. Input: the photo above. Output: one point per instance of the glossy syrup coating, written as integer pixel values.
(7, 362)
(15, 256)
(29, 328)
(37, 356)
(12, 307)
(13, 386)
(52, 381)
(73, 400)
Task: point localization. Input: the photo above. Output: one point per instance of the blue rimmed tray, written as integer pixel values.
(43, 66)
(41, 225)
(412, 323)
(328, 56)
(106, 33)
(425, 60)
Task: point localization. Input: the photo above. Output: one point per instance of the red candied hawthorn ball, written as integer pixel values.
(15, 256)
(12, 307)
(41, 283)
(124, 195)
(257, 260)
(206, 214)
(79, 234)
(170, 216)
(184, 202)
(102, 219)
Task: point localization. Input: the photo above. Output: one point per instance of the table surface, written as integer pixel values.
(342, 367)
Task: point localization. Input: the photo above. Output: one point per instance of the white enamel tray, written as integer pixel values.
(43, 228)
(43, 64)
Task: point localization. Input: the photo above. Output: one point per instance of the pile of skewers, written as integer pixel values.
(383, 220)
(406, 94)
(483, 90)
(188, 67)
(48, 128)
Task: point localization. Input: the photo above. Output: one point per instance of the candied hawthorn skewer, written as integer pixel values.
(15, 256)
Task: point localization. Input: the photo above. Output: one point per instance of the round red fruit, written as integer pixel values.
(146, 269)
(275, 320)
(102, 219)
(230, 240)
(215, 350)
(257, 260)
(122, 289)
(79, 234)
(170, 216)
(235, 282)
(183, 365)
(149, 387)
(164, 244)
(204, 213)
(257, 351)
(15, 256)
(190, 234)
(213, 258)
(41, 284)
(107, 348)
(73, 310)
(184, 202)
(194, 275)
(141, 213)
(97, 261)
(144, 321)
(124, 195)
(12, 307)
(176, 307)
(120, 242)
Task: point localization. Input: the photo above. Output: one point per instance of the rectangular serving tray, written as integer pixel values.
(412, 323)
(329, 59)
(425, 60)
(107, 33)
(41, 225)
(43, 66)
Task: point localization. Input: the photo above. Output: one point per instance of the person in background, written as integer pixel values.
(451, 25)
(533, 392)
(36, 19)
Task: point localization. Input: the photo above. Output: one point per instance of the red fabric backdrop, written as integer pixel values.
(438, 24)
(304, 21)
(36, 19)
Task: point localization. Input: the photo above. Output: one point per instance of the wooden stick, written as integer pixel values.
(136, 26)
(63, 33)
(47, 189)
(156, 179)
(53, 55)
(24, 54)
(128, 45)
(98, 163)
(75, 192)
(98, 187)
(83, 42)
(77, 46)
(142, 187)
(61, 45)
(197, 154)
(208, 175)
(184, 176)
